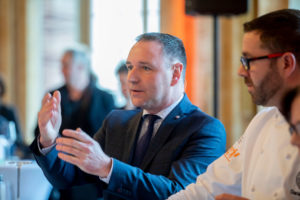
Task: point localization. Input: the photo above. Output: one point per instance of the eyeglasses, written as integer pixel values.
(246, 61)
(295, 129)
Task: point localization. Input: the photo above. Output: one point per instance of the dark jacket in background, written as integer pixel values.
(88, 113)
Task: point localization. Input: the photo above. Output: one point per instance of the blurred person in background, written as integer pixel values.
(10, 119)
(82, 104)
(122, 73)
(291, 112)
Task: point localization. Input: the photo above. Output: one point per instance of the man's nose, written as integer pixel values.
(132, 75)
(242, 71)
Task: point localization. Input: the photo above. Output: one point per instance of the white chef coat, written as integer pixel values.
(262, 164)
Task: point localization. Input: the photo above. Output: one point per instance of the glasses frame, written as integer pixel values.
(246, 61)
(295, 129)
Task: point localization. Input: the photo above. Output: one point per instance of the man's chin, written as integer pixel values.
(137, 103)
(254, 99)
(259, 101)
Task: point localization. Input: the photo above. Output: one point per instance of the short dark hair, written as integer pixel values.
(287, 101)
(173, 47)
(122, 68)
(279, 31)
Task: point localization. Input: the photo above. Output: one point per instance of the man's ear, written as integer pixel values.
(177, 71)
(289, 64)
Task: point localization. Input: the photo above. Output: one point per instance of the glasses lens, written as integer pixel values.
(297, 128)
(244, 62)
(291, 129)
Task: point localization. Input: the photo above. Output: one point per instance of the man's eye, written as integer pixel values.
(129, 67)
(146, 68)
(297, 128)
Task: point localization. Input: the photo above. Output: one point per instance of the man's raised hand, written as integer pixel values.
(49, 119)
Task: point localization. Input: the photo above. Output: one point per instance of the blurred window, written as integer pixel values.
(115, 25)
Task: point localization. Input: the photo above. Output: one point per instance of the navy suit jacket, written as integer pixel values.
(187, 141)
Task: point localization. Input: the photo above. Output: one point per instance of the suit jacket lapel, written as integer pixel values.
(131, 135)
(166, 128)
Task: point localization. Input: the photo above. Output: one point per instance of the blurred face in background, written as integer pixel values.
(124, 85)
(76, 74)
(295, 122)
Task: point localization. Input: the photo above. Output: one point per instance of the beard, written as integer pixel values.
(268, 87)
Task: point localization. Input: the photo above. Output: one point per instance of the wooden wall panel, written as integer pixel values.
(6, 47)
(13, 53)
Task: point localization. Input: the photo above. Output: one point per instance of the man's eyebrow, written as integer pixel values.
(140, 63)
(144, 63)
(246, 54)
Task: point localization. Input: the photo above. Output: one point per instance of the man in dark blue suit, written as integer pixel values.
(184, 140)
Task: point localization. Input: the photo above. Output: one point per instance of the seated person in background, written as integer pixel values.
(9, 113)
(291, 112)
(262, 164)
(82, 105)
(122, 73)
(137, 154)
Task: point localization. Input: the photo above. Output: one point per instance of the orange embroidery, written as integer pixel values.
(231, 153)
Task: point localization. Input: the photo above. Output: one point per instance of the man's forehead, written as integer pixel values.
(145, 50)
(67, 57)
(252, 44)
(147, 45)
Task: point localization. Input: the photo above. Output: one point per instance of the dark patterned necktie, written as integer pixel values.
(144, 141)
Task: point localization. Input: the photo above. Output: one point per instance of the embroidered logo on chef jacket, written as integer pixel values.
(233, 152)
(294, 192)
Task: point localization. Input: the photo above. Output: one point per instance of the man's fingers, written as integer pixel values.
(77, 134)
(48, 107)
(49, 104)
(57, 96)
(47, 111)
(70, 150)
(46, 98)
(69, 158)
(44, 118)
(71, 142)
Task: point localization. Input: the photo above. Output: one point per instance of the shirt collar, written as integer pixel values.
(164, 113)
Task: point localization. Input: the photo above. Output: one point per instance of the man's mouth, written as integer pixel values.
(248, 83)
(135, 91)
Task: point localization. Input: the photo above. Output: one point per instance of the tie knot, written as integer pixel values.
(152, 118)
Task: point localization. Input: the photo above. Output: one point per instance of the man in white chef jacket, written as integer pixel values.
(262, 164)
